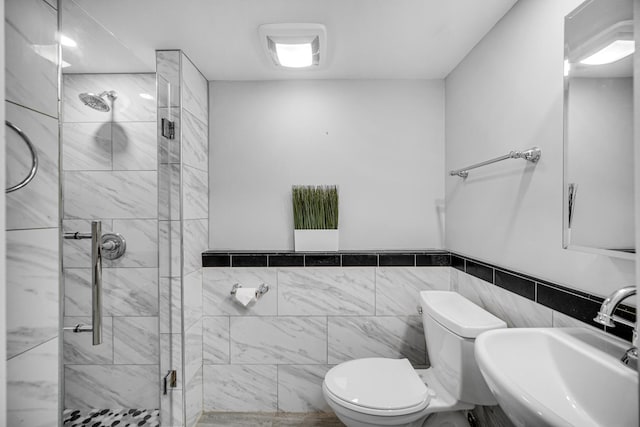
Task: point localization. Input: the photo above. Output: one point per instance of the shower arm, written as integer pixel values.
(111, 94)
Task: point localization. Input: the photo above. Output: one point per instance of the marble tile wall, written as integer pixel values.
(517, 312)
(183, 195)
(195, 230)
(110, 173)
(32, 228)
(31, 66)
(272, 356)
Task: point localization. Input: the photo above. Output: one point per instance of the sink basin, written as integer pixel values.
(559, 377)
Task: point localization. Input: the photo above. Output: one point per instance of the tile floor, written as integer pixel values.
(268, 419)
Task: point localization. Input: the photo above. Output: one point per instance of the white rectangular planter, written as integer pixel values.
(315, 240)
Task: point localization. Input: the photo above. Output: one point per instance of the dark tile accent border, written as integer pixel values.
(359, 260)
(433, 260)
(216, 260)
(622, 331)
(626, 312)
(249, 261)
(286, 260)
(571, 302)
(481, 271)
(571, 291)
(457, 262)
(334, 259)
(516, 284)
(397, 260)
(323, 260)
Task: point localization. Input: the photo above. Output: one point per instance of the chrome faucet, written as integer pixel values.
(606, 317)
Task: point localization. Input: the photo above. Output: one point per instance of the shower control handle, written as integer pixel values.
(113, 245)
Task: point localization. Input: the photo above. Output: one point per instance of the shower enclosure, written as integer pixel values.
(109, 179)
(133, 161)
(109, 183)
(104, 236)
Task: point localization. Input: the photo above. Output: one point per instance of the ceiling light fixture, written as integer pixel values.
(299, 46)
(294, 55)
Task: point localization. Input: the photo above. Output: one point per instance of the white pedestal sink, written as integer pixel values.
(559, 377)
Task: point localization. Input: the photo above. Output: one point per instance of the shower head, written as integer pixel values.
(97, 102)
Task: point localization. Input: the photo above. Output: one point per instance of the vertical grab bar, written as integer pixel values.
(110, 246)
(96, 281)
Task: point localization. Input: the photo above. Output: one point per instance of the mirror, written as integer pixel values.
(598, 128)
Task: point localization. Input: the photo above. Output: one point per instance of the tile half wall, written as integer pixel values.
(324, 309)
(273, 355)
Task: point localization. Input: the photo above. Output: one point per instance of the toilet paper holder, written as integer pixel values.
(262, 289)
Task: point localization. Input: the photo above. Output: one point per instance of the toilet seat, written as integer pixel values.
(377, 386)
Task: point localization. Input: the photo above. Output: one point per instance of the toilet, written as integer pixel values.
(390, 392)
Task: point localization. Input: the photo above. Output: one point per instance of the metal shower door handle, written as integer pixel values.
(110, 245)
(96, 281)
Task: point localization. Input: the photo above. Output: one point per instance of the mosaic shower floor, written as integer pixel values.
(111, 418)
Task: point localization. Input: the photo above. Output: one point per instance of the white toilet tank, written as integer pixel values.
(451, 324)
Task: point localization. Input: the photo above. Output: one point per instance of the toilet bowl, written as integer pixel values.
(390, 392)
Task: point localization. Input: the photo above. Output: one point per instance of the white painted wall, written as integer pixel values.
(381, 142)
(507, 94)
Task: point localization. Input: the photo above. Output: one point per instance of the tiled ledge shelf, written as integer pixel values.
(573, 303)
(315, 259)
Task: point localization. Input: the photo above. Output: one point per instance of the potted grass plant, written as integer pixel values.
(315, 218)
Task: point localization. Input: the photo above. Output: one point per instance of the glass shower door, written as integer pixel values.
(109, 173)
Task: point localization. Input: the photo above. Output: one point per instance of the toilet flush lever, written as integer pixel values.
(419, 309)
